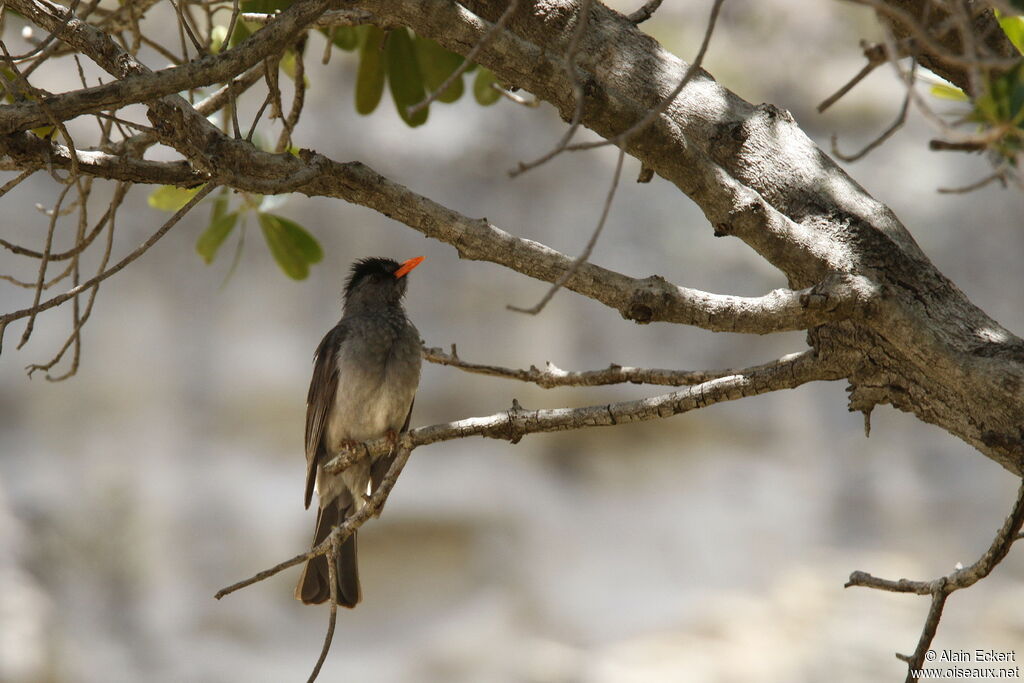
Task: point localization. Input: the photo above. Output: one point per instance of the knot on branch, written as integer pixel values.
(647, 301)
(751, 212)
(515, 433)
(771, 112)
(844, 294)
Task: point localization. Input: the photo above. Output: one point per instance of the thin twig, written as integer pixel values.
(531, 102)
(267, 573)
(645, 12)
(901, 118)
(998, 175)
(75, 337)
(183, 22)
(583, 15)
(552, 376)
(139, 251)
(876, 56)
(332, 578)
(43, 262)
(656, 111)
(942, 587)
(587, 250)
(289, 122)
(14, 182)
(470, 56)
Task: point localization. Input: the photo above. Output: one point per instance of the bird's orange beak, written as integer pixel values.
(408, 265)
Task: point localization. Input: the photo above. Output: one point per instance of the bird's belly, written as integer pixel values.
(365, 411)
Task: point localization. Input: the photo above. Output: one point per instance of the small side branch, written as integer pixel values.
(645, 12)
(941, 588)
(787, 372)
(552, 376)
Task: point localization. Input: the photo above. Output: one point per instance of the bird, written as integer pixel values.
(366, 371)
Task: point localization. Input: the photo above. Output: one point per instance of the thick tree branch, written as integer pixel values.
(645, 300)
(25, 150)
(758, 177)
(136, 83)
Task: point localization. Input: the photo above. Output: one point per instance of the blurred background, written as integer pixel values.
(712, 546)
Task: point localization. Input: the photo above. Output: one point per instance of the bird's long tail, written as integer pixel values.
(314, 584)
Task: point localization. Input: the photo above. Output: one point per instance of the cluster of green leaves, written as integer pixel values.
(999, 110)
(291, 245)
(414, 67)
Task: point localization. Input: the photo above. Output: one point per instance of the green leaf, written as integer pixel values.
(483, 91)
(343, 37)
(404, 77)
(241, 32)
(292, 246)
(171, 198)
(218, 36)
(1013, 27)
(944, 91)
(220, 204)
(370, 77)
(265, 6)
(214, 235)
(437, 64)
(287, 65)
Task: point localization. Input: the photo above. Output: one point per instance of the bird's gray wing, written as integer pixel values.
(322, 389)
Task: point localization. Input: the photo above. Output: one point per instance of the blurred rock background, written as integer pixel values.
(709, 547)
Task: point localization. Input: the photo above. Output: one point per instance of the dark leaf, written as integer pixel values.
(437, 64)
(171, 198)
(370, 77)
(291, 245)
(484, 87)
(404, 77)
(214, 235)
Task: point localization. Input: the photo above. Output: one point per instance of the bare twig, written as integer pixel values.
(43, 262)
(552, 376)
(333, 552)
(75, 337)
(183, 24)
(999, 175)
(139, 251)
(267, 573)
(941, 588)
(14, 182)
(587, 250)
(785, 373)
(531, 102)
(645, 12)
(901, 118)
(662, 106)
(289, 122)
(583, 16)
(876, 56)
(470, 56)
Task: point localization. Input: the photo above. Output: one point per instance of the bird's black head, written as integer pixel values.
(377, 282)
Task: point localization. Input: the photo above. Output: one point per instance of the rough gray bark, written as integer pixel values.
(875, 307)
(924, 347)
